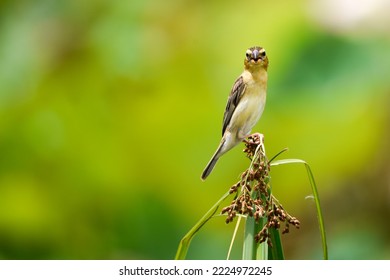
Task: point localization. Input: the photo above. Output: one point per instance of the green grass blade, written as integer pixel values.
(234, 236)
(278, 154)
(287, 161)
(316, 199)
(186, 240)
(262, 249)
(319, 212)
(276, 251)
(251, 249)
(249, 246)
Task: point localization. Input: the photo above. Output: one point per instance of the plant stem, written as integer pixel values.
(186, 240)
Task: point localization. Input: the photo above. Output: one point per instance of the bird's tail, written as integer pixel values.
(212, 162)
(209, 167)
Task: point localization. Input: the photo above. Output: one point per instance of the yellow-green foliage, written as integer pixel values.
(109, 110)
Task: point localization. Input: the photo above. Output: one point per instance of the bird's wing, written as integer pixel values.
(234, 97)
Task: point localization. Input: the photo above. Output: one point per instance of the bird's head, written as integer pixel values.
(255, 58)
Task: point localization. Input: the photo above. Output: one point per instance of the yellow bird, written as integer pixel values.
(245, 104)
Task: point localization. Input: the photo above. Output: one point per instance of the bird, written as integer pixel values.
(245, 104)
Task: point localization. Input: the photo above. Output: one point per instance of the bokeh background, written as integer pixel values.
(109, 111)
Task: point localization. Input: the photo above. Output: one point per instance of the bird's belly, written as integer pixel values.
(247, 114)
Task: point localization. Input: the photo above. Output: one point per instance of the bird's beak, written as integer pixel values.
(255, 55)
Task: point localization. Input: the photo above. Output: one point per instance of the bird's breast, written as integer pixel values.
(248, 111)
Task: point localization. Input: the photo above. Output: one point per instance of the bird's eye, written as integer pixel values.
(248, 54)
(263, 53)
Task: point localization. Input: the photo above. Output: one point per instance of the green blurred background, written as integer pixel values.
(109, 111)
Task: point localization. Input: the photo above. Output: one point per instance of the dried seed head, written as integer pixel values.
(225, 209)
